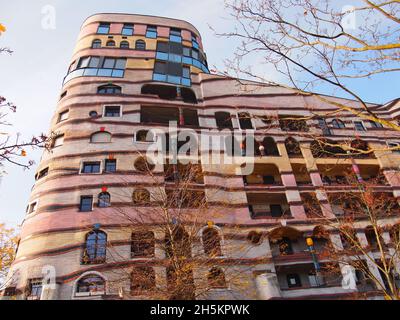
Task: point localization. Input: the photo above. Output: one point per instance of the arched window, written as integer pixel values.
(338, 124)
(360, 148)
(143, 165)
(96, 44)
(270, 148)
(142, 279)
(178, 243)
(109, 89)
(211, 242)
(110, 43)
(216, 278)
(91, 285)
(100, 137)
(140, 45)
(142, 244)
(124, 45)
(292, 147)
(95, 248)
(104, 200)
(255, 237)
(141, 197)
(145, 136)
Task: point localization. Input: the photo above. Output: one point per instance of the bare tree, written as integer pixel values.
(173, 229)
(365, 220)
(318, 44)
(12, 147)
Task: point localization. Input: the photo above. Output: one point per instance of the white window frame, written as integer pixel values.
(112, 105)
(77, 295)
(362, 124)
(146, 142)
(397, 143)
(101, 167)
(55, 139)
(36, 203)
(80, 199)
(59, 119)
(238, 121)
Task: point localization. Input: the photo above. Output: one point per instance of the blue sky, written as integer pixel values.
(32, 76)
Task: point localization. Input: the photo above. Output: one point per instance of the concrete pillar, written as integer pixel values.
(267, 286)
(324, 202)
(293, 196)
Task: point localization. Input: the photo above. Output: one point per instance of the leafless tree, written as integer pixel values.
(318, 45)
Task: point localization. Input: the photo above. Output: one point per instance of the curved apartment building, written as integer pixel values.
(130, 74)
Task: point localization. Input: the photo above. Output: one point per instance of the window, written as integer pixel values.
(91, 285)
(292, 147)
(216, 278)
(34, 290)
(140, 45)
(142, 244)
(285, 246)
(110, 166)
(289, 123)
(93, 114)
(142, 279)
(270, 147)
(128, 30)
(211, 242)
(100, 137)
(109, 89)
(91, 167)
(223, 120)
(104, 28)
(323, 126)
(63, 116)
(195, 43)
(32, 207)
(394, 146)
(375, 124)
(245, 121)
(358, 125)
(110, 43)
(43, 173)
(151, 32)
(276, 210)
(96, 44)
(64, 94)
(83, 62)
(58, 141)
(86, 204)
(338, 124)
(293, 280)
(124, 45)
(104, 200)
(112, 111)
(143, 165)
(141, 197)
(95, 248)
(175, 35)
(145, 136)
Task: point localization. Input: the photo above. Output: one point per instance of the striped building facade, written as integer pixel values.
(130, 74)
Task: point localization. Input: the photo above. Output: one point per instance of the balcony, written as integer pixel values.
(268, 206)
(301, 281)
(264, 175)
